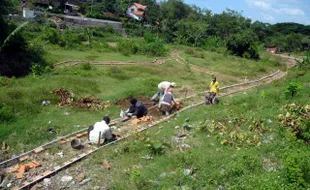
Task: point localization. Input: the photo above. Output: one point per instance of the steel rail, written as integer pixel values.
(83, 155)
(115, 120)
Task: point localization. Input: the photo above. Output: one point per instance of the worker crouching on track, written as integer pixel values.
(100, 131)
(137, 108)
(213, 91)
(167, 103)
(162, 89)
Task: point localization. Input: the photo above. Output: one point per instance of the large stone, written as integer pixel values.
(47, 182)
(80, 177)
(66, 178)
(84, 181)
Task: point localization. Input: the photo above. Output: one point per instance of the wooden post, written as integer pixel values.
(186, 92)
(99, 139)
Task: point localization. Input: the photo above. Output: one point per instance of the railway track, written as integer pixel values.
(60, 151)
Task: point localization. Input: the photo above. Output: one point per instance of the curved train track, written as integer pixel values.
(60, 151)
(63, 155)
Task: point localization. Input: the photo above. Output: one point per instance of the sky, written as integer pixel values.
(270, 11)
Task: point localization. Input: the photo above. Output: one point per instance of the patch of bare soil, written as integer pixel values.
(125, 103)
(67, 98)
(112, 44)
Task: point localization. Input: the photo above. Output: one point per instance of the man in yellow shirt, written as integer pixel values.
(213, 91)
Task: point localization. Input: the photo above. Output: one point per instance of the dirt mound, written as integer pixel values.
(89, 102)
(125, 103)
(67, 98)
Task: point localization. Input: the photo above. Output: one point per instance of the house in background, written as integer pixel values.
(136, 11)
(28, 13)
(273, 49)
(29, 10)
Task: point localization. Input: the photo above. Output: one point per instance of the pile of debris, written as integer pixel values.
(88, 102)
(65, 95)
(56, 20)
(20, 169)
(142, 119)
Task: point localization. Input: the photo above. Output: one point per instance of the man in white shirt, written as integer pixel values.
(100, 128)
(162, 89)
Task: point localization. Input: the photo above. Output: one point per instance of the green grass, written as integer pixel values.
(111, 83)
(227, 64)
(215, 165)
(59, 55)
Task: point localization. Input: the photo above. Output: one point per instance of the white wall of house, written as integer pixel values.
(27, 13)
(133, 7)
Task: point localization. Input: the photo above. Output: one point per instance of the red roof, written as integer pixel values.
(139, 13)
(139, 6)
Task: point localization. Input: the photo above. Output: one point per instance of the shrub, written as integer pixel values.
(153, 48)
(38, 69)
(244, 45)
(6, 113)
(189, 51)
(52, 35)
(292, 89)
(127, 46)
(86, 66)
(212, 43)
(305, 63)
(297, 168)
(296, 119)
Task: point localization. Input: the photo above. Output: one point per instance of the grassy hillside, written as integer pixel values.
(22, 97)
(238, 143)
(228, 149)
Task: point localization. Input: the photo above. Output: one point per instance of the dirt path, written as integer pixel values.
(174, 55)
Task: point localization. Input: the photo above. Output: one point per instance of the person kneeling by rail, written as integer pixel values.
(167, 103)
(101, 132)
(137, 108)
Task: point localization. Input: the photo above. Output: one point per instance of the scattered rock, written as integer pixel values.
(185, 146)
(147, 157)
(67, 113)
(80, 177)
(9, 185)
(181, 134)
(220, 187)
(176, 127)
(66, 178)
(185, 188)
(84, 181)
(61, 154)
(179, 139)
(164, 174)
(187, 127)
(45, 102)
(36, 187)
(107, 164)
(4, 182)
(187, 172)
(47, 182)
(52, 131)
